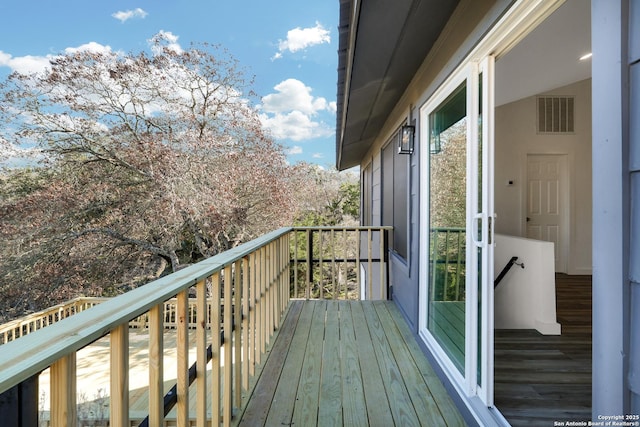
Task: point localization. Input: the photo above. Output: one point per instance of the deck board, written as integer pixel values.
(354, 411)
(375, 395)
(285, 394)
(356, 364)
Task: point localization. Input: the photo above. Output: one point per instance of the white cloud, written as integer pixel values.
(89, 47)
(302, 38)
(318, 156)
(296, 149)
(292, 94)
(291, 112)
(125, 15)
(29, 64)
(165, 39)
(24, 64)
(295, 125)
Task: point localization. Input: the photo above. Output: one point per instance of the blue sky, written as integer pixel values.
(290, 46)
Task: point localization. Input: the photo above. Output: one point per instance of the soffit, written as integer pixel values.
(377, 60)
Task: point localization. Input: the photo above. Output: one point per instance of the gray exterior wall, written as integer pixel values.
(404, 273)
(634, 141)
(616, 214)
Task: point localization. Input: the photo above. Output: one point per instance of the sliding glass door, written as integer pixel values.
(448, 225)
(457, 189)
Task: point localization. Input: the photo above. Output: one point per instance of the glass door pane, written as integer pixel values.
(447, 225)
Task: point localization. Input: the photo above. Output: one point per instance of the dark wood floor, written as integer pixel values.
(540, 379)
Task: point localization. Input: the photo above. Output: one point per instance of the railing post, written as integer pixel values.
(215, 347)
(202, 314)
(358, 255)
(64, 412)
(246, 330)
(156, 365)
(369, 293)
(119, 402)
(238, 286)
(19, 405)
(383, 263)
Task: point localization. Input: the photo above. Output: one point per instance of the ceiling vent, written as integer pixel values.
(556, 114)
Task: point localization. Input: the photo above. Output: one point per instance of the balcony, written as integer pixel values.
(304, 335)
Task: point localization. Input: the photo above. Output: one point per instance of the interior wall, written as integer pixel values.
(515, 137)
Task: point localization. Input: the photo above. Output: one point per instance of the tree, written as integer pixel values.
(152, 161)
(326, 196)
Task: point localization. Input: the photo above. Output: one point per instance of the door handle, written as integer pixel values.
(528, 219)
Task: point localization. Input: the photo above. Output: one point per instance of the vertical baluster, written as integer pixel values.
(458, 266)
(345, 264)
(270, 291)
(286, 272)
(333, 261)
(309, 263)
(255, 313)
(202, 314)
(295, 264)
(215, 347)
(434, 264)
(370, 264)
(320, 276)
(263, 299)
(237, 332)
(383, 257)
(182, 384)
(447, 237)
(358, 273)
(246, 331)
(227, 396)
(119, 401)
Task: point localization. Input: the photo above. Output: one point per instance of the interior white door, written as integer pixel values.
(547, 203)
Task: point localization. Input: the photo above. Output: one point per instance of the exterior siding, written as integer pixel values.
(634, 141)
(404, 273)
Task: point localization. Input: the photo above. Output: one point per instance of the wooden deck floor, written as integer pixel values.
(540, 379)
(347, 363)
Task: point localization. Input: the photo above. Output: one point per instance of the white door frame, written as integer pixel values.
(521, 18)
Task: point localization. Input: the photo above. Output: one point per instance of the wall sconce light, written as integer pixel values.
(406, 137)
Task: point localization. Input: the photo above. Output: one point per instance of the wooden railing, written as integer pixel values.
(242, 293)
(35, 321)
(340, 262)
(447, 263)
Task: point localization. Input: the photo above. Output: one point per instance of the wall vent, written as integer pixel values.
(556, 114)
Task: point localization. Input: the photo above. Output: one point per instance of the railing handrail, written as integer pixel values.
(31, 354)
(340, 227)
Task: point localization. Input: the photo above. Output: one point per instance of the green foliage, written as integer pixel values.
(333, 198)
